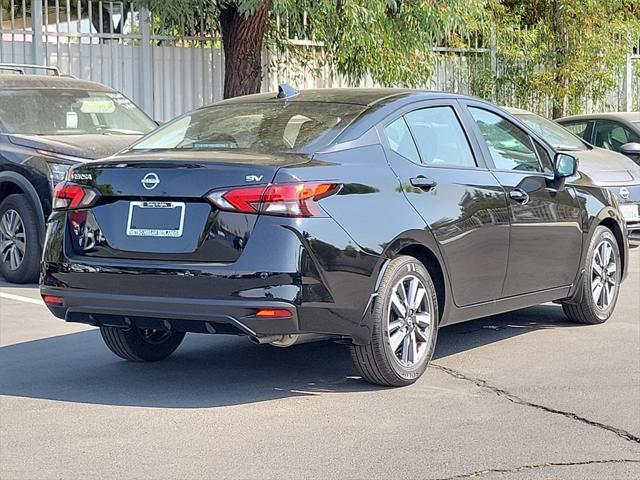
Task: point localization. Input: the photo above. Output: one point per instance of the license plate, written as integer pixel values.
(630, 212)
(155, 219)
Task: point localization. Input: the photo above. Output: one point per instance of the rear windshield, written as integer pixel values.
(265, 127)
(70, 112)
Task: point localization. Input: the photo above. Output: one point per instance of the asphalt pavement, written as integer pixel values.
(524, 395)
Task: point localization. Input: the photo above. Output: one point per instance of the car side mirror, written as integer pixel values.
(566, 165)
(631, 149)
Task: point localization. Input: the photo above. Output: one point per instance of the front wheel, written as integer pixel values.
(141, 345)
(405, 323)
(601, 283)
(20, 250)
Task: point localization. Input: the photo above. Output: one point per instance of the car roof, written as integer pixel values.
(19, 82)
(624, 116)
(517, 111)
(354, 96)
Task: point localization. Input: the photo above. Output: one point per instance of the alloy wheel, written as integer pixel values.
(409, 324)
(13, 240)
(603, 275)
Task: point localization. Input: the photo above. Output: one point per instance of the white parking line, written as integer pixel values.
(20, 298)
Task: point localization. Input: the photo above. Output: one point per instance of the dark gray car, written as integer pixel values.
(605, 167)
(618, 131)
(47, 124)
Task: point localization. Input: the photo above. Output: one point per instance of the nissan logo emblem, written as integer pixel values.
(150, 181)
(624, 193)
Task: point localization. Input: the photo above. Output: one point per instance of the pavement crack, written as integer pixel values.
(515, 399)
(488, 471)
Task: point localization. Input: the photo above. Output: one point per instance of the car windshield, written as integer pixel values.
(557, 136)
(637, 124)
(70, 112)
(266, 127)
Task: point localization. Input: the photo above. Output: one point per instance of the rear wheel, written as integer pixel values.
(601, 282)
(20, 249)
(141, 345)
(404, 326)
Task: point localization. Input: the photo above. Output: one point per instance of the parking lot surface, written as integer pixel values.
(519, 395)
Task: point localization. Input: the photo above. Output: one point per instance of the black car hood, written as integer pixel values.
(90, 147)
(607, 168)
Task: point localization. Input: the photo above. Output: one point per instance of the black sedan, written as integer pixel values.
(370, 217)
(619, 131)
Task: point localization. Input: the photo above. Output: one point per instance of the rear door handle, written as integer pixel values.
(519, 195)
(423, 182)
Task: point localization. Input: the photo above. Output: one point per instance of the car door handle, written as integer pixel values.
(423, 182)
(519, 195)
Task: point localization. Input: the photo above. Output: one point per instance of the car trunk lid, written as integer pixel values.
(152, 206)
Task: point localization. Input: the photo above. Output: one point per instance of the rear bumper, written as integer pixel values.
(178, 314)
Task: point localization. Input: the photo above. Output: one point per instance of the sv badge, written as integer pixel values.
(253, 178)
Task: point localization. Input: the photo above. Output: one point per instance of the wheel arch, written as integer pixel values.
(609, 218)
(421, 245)
(12, 183)
(612, 225)
(432, 264)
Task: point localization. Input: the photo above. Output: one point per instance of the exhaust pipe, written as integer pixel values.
(284, 341)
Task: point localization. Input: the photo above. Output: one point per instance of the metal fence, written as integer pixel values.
(168, 72)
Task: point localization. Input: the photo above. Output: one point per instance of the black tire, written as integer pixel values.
(139, 345)
(28, 269)
(588, 311)
(377, 362)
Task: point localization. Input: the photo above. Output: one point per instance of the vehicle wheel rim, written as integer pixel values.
(154, 337)
(409, 321)
(604, 275)
(13, 240)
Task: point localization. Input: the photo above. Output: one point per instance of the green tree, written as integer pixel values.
(387, 39)
(564, 50)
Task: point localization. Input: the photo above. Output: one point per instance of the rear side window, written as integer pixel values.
(400, 140)
(264, 127)
(510, 147)
(440, 138)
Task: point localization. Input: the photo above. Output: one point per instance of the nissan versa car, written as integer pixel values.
(48, 123)
(605, 168)
(371, 217)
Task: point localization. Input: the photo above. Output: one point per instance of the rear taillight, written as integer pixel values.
(290, 200)
(69, 195)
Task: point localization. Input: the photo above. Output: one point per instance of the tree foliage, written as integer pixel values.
(565, 50)
(389, 40)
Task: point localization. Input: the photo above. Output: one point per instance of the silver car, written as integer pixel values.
(604, 167)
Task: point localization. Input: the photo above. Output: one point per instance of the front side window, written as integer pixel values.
(613, 135)
(440, 138)
(266, 127)
(510, 147)
(70, 112)
(577, 128)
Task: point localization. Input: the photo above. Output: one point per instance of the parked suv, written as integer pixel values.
(47, 124)
(604, 167)
(371, 217)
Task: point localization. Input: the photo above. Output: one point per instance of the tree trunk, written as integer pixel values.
(242, 39)
(562, 50)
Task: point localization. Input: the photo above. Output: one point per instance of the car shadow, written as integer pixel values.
(213, 371)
